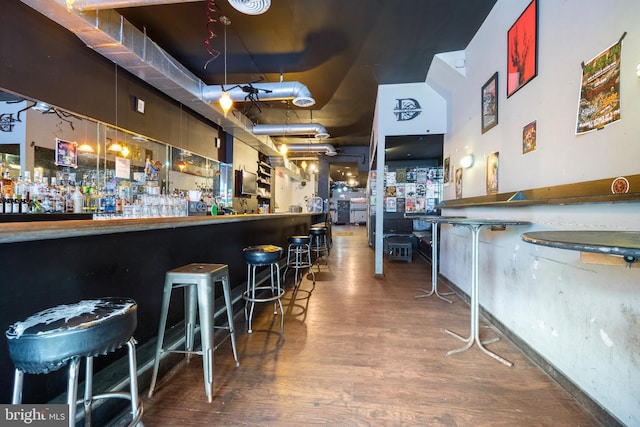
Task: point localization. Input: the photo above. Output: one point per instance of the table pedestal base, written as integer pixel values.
(434, 269)
(474, 336)
(469, 343)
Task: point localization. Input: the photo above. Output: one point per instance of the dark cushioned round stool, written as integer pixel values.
(260, 256)
(55, 337)
(319, 244)
(299, 258)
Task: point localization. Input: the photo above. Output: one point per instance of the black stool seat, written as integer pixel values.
(47, 340)
(299, 240)
(319, 243)
(262, 254)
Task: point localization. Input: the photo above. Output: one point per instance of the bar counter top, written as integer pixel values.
(13, 232)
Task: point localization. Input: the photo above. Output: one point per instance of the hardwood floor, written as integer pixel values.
(361, 351)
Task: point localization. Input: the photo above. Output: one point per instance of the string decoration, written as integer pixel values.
(211, 11)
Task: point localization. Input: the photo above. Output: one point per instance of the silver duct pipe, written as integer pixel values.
(112, 36)
(266, 92)
(313, 148)
(315, 129)
(86, 5)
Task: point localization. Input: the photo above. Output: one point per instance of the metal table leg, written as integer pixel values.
(434, 268)
(474, 335)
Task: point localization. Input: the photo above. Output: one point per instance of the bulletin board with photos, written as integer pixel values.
(412, 189)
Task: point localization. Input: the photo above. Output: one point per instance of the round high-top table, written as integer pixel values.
(622, 243)
(435, 221)
(475, 225)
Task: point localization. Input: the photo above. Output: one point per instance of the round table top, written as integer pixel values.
(482, 221)
(624, 243)
(432, 218)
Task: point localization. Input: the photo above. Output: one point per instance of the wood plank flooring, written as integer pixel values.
(361, 351)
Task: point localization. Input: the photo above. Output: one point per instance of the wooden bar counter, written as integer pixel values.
(46, 263)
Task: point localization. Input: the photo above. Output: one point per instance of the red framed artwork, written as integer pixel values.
(522, 49)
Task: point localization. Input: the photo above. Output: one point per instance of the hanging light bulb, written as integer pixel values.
(283, 149)
(115, 147)
(225, 100)
(303, 165)
(125, 151)
(85, 148)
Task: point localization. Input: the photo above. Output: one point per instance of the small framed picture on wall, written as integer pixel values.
(66, 153)
(529, 137)
(490, 103)
(493, 164)
(446, 170)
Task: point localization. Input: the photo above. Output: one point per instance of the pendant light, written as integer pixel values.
(225, 99)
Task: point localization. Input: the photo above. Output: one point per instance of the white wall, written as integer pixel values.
(290, 191)
(245, 158)
(582, 318)
(432, 117)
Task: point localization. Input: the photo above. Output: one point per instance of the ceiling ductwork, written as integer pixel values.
(86, 5)
(315, 129)
(296, 91)
(109, 34)
(312, 148)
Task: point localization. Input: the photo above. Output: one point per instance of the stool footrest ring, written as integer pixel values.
(247, 297)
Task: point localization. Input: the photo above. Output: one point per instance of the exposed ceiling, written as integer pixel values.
(340, 49)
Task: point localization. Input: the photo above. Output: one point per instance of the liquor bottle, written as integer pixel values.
(55, 194)
(24, 206)
(27, 193)
(15, 205)
(8, 204)
(7, 184)
(68, 198)
(78, 199)
(45, 196)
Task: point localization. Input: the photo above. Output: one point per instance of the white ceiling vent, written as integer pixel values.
(251, 7)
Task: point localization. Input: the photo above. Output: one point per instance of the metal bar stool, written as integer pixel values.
(260, 256)
(299, 258)
(198, 281)
(319, 244)
(55, 337)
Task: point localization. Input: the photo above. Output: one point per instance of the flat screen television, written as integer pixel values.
(249, 183)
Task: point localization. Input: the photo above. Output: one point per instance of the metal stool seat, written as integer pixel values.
(55, 337)
(198, 281)
(260, 256)
(319, 244)
(299, 258)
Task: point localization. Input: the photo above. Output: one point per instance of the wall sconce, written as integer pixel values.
(466, 161)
